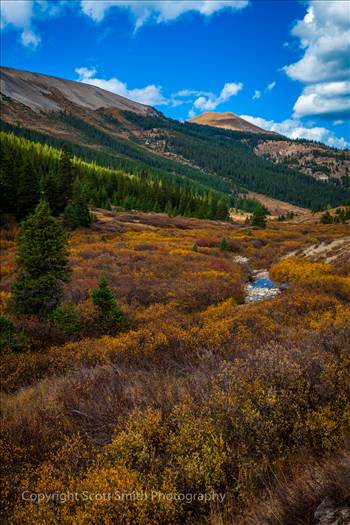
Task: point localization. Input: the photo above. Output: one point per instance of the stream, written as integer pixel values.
(261, 287)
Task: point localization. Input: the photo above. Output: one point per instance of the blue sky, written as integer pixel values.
(283, 65)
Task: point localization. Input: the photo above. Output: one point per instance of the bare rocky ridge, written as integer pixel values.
(228, 120)
(316, 160)
(44, 93)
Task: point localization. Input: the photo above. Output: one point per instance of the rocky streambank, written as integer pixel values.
(261, 287)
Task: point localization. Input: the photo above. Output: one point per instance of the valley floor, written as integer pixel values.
(194, 394)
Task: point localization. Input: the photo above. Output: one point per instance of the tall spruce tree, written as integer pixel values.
(66, 175)
(42, 263)
(77, 213)
(8, 179)
(27, 190)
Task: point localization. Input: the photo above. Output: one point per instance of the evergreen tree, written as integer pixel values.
(77, 214)
(66, 319)
(27, 190)
(66, 175)
(222, 212)
(53, 192)
(8, 186)
(103, 298)
(224, 245)
(10, 338)
(258, 219)
(42, 262)
(326, 218)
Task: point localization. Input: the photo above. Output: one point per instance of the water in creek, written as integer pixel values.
(261, 287)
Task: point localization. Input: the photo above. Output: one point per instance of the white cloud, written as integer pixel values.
(257, 95)
(29, 38)
(295, 129)
(19, 15)
(85, 73)
(270, 86)
(229, 90)
(158, 11)
(186, 96)
(150, 95)
(268, 89)
(324, 99)
(211, 101)
(324, 35)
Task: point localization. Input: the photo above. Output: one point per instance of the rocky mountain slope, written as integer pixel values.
(311, 158)
(314, 159)
(45, 93)
(116, 132)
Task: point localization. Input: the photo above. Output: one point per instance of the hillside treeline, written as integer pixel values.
(31, 170)
(221, 152)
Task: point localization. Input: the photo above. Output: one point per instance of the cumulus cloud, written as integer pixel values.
(211, 101)
(295, 129)
(324, 35)
(327, 99)
(16, 12)
(150, 95)
(20, 14)
(158, 11)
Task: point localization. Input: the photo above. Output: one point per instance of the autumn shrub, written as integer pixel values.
(198, 392)
(296, 490)
(208, 243)
(225, 430)
(292, 268)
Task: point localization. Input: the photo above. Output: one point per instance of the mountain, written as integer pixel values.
(311, 158)
(228, 120)
(45, 93)
(112, 131)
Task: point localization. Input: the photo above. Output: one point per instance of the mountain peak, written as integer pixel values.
(228, 120)
(46, 93)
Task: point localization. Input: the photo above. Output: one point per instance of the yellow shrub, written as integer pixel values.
(294, 269)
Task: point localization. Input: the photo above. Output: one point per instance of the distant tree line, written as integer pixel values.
(229, 155)
(30, 171)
